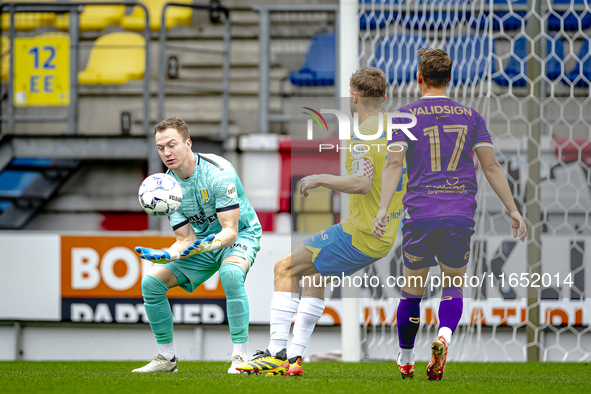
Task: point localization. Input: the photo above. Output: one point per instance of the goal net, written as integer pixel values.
(526, 67)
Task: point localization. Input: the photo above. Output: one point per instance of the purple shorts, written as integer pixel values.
(447, 238)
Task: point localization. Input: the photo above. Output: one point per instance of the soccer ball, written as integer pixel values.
(160, 195)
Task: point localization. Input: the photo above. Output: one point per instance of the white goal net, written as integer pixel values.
(526, 67)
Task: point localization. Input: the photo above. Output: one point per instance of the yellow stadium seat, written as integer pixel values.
(313, 222)
(174, 16)
(5, 58)
(318, 200)
(115, 59)
(94, 17)
(26, 21)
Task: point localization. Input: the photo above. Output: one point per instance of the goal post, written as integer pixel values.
(348, 62)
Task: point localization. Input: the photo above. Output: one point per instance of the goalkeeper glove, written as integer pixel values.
(198, 247)
(157, 255)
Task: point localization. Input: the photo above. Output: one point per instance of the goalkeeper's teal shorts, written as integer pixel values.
(199, 268)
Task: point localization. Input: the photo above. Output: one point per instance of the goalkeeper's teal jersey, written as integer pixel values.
(214, 187)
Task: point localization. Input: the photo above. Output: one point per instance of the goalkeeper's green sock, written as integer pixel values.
(232, 276)
(157, 309)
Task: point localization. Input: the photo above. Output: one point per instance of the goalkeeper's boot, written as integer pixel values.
(438, 357)
(265, 362)
(295, 367)
(160, 364)
(237, 360)
(406, 370)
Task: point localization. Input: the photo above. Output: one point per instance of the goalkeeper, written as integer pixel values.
(216, 229)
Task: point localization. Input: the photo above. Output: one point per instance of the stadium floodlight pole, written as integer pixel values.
(348, 50)
(533, 31)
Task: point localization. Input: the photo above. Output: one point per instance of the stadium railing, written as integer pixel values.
(13, 114)
(319, 16)
(172, 55)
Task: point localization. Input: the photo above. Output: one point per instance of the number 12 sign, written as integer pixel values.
(41, 71)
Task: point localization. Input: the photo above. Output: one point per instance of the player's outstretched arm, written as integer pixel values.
(350, 184)
(390, 179)
(229, 222)
(498, 181)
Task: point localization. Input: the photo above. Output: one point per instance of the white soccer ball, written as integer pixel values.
(160, 195)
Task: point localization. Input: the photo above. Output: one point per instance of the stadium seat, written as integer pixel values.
(14, 183)
(94, 17)
(115, 59)
(509, 21)
(377, 18)
(27, 21)
(437, 21)
(581, 76)
(174, 16)
(517, 67)
(469, 54)
(396, 56)
(319, 65)
(571, 22)
(5, 58)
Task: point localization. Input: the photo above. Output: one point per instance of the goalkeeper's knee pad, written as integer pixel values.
(153, 289)
(232, 276)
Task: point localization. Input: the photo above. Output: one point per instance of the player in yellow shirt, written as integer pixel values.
(341, 249)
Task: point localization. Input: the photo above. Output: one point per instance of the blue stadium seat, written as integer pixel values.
(516, 69)
(319, 65)
(578, 76)
(469, 54)
(509, 22)
(571, 22)
(14, 183)
(439, 21)
(31, 162)
(397, 56)
(377, 18)
(4, 205)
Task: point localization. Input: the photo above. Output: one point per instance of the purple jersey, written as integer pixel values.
(441, 175)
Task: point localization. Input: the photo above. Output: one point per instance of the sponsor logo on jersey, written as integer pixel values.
(359, 150)
(201, 218)
(231, 190)
(241, 246)
(204, 195)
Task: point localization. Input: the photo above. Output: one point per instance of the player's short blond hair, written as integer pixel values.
(174, 123)
(435, 65)
(370, 83)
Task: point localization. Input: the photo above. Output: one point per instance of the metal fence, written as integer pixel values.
(169, 53)
(266, 13)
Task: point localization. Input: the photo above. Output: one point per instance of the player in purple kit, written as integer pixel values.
(439, 203)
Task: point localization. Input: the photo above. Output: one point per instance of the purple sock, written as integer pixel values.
(407, 319)
(450, 308)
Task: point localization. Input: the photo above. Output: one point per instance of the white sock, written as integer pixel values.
(407, 356)
(167, 350)
(239, 350)
(446, 333)
(309, 311)
(283, 307)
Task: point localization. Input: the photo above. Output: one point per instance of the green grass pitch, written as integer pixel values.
(210, 377)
